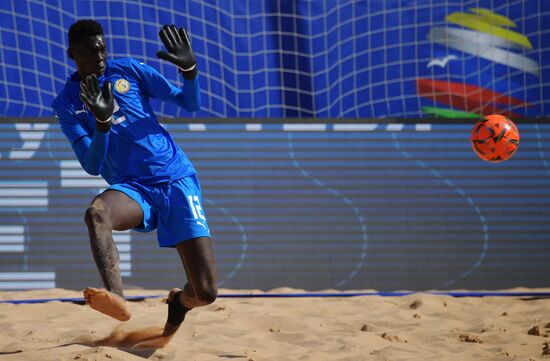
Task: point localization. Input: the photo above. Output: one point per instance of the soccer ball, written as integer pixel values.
(495, 138)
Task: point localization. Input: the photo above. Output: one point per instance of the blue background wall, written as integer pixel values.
(287, 58)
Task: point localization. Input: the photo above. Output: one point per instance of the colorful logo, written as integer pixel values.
(122, 86)
(484, 34)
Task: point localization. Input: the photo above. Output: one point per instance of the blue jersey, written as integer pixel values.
(137, 148)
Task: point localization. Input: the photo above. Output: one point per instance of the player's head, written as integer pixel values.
(87, 47)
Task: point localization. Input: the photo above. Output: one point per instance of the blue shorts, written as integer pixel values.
(173, 208)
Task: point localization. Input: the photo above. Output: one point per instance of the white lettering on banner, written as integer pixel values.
(32, 135)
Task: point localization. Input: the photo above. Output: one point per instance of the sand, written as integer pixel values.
(415, 327)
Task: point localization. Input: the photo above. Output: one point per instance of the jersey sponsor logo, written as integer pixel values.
(122, 86)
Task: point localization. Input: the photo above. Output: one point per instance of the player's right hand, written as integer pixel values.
(100, 103)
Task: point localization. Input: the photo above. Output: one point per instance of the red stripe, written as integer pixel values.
(470, 98)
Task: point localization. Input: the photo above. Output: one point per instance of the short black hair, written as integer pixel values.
(82, 29)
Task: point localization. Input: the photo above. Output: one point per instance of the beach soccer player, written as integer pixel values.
(105, 113)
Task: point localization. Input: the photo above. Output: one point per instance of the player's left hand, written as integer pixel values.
(179, 49)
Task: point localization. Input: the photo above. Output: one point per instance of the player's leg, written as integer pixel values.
(184, 226)
(197, 257)
(201, 289)
(111, 210)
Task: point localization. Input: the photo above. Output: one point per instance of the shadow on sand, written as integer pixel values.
(139, 342)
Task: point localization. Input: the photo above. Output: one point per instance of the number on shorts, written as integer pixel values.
(196, 207)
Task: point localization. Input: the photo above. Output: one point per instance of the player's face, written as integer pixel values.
(90, 56)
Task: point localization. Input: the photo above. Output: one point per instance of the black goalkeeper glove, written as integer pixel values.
(179, 49)
(101, 104)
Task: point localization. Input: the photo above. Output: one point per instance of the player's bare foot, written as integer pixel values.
(107, 303)
(176, 312)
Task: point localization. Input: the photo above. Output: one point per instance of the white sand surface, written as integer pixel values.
(415, 327)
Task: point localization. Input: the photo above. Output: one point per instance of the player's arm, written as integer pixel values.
(90, 151)
(180, 53)
(156, 86)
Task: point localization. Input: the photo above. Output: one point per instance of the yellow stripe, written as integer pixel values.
(493, 18)
(479, 23)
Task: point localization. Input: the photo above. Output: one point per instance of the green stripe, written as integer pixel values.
(448, 113)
